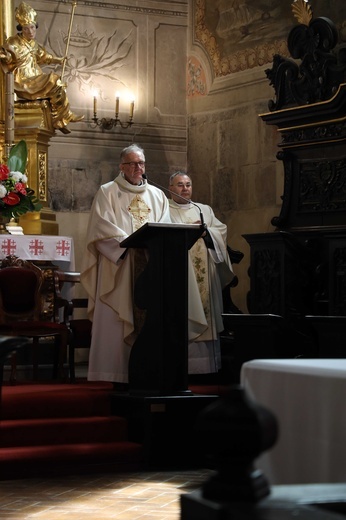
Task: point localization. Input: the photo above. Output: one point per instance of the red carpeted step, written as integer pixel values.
(210, 389)
(36, 432)
(67, 428)
(55, 400)
(69, 458)
(49, 428)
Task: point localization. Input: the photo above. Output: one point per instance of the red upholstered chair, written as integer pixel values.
(21, 308)
(79, 327)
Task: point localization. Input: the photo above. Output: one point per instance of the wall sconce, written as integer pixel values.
(106, 123)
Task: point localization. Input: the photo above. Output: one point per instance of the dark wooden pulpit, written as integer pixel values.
(158, 363)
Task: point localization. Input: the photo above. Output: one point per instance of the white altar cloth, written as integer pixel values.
(308, 398)
(39, 247)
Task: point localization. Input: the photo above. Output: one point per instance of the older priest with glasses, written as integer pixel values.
(109, 271)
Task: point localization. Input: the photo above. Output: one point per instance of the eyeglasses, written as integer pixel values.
(132, 164)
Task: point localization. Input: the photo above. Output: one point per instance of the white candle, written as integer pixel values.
(9, 109)
(117, 104)
(95, 106)
(132, 107)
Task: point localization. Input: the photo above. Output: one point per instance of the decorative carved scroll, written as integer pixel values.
(322, 67)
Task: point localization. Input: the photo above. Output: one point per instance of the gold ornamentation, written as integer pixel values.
(42, 176)
(25, 57)
(74, 5)
(3, 225)
(224, 65)
(199, 257)
(302, 11)
(139, 211)
(25, 14)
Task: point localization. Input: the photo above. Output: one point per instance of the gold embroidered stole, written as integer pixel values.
(140, 212)
(199, 257)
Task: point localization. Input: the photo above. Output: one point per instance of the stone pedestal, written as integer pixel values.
(165, 425)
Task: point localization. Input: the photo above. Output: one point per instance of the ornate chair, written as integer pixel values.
(21, 312)
(79, 327)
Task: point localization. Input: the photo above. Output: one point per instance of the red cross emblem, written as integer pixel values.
(36, 247)
(63, 248)
(8, 247)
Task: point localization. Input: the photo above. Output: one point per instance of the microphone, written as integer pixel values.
(144, 176)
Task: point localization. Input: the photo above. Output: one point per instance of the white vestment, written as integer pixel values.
(210, 270)
(108, 272)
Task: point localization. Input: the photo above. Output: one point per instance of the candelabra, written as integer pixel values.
(106, 123)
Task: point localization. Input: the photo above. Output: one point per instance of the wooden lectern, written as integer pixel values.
(158, 363)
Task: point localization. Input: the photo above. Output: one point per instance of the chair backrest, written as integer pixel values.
(20, 290)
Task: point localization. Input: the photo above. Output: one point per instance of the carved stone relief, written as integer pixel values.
(102, 57)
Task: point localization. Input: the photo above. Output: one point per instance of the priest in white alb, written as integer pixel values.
(210, 270)
(108, 273)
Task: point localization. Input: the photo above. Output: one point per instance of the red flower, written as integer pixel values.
(20, 187)
(4, 172)
(11, 199)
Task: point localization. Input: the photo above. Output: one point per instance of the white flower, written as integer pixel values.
(18, 176)
(3, 191)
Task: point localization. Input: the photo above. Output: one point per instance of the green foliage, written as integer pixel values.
(15, 203)
(18, 157)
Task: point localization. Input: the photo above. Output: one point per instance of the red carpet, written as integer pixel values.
(60, 428)
(49, 429)
(46, 399)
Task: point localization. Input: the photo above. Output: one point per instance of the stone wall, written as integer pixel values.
(114, 47)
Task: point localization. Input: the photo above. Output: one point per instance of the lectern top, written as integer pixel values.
(156, 231)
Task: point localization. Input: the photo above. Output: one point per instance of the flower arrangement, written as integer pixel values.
(16, 198)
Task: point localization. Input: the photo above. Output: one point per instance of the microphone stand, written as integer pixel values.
(144, 176)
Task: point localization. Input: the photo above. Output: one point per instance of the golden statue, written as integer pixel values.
(22, 55)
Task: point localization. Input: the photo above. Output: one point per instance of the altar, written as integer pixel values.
(307, 398)
(40, 248)
(49, 253)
